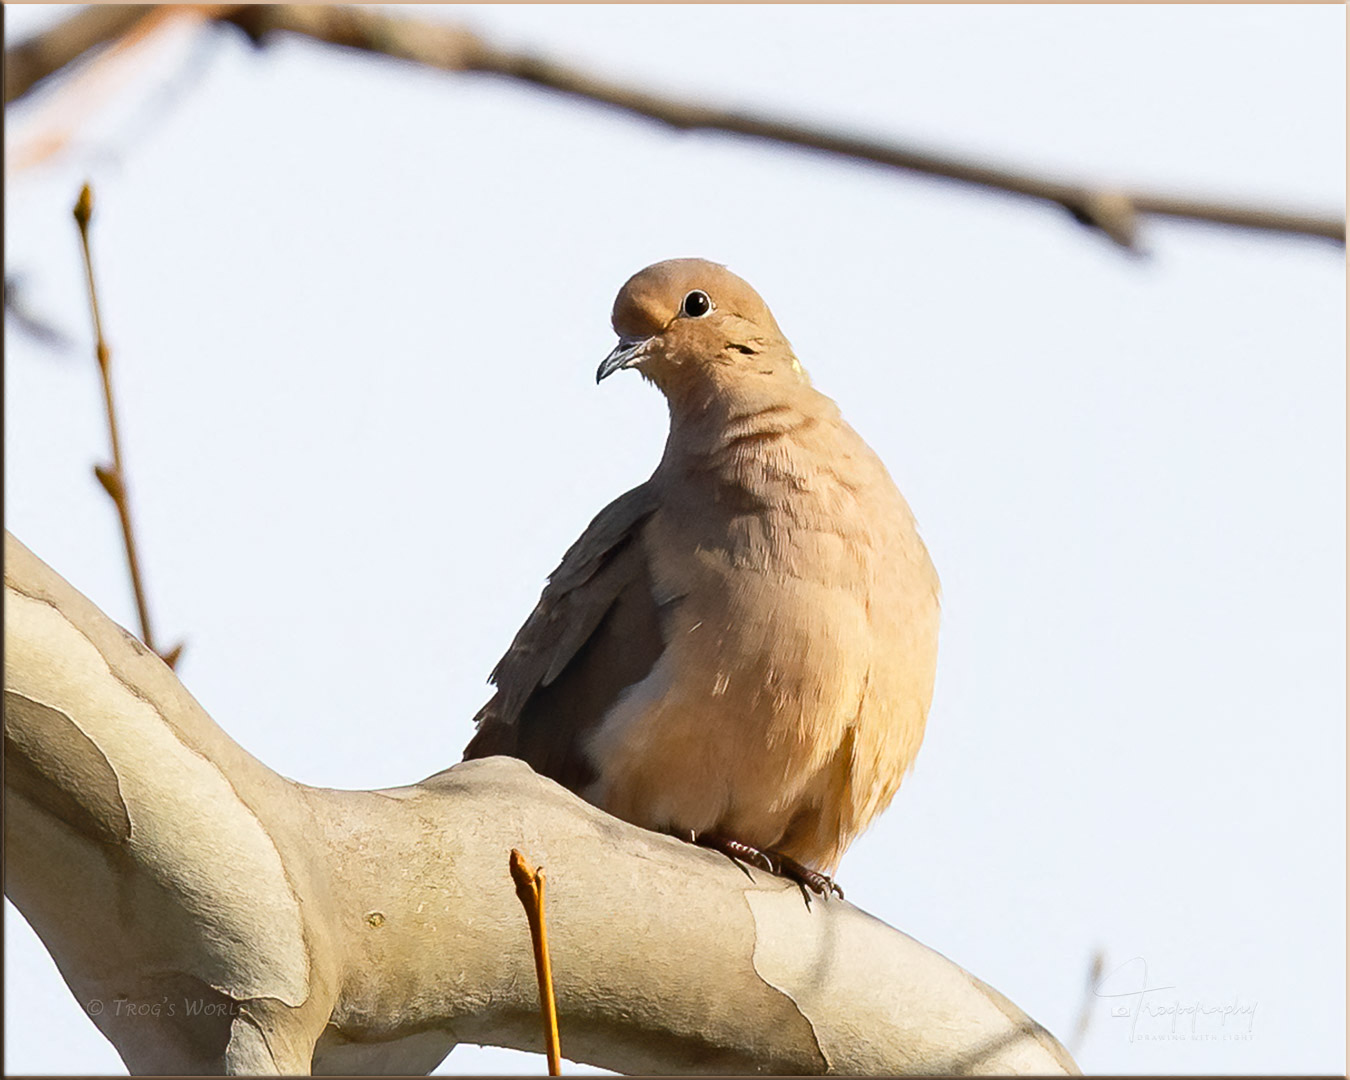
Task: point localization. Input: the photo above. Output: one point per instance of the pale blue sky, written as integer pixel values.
(356, 310)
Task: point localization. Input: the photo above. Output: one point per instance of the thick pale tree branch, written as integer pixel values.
(212, 916)
(1113, 210)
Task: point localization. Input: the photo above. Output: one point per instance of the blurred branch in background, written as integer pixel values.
(1112, 211)
(27, 321)
(99, 75)
(1096, 965)
(31, 61)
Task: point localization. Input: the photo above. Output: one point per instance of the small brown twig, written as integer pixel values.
(530, 890)
(113, 478)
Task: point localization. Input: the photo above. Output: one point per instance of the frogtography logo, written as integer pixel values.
(1158, 1013)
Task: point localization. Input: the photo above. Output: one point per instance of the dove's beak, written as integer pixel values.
(627, 353)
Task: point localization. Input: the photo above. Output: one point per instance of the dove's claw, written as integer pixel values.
(783, 865)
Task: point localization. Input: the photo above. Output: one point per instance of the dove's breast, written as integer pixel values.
(800, 643)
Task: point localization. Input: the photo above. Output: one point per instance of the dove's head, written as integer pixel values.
(688, 323)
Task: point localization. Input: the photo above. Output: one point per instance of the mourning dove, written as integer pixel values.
(740, 651)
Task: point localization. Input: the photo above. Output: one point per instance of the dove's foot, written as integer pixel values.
(783, 865)
(821, 884)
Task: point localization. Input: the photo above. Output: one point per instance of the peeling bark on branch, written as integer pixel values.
(280, 927)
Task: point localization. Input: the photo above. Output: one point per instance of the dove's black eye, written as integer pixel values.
(696, 304)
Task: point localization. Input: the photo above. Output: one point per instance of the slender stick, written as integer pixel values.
(114, 479)
(1094, 977)
(530, 890)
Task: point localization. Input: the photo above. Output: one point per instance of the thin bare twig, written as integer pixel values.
(530, 890)
(1112, 211)
(1096, 965)
(113, 478)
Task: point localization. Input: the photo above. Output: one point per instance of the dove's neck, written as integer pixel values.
(721, 430)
